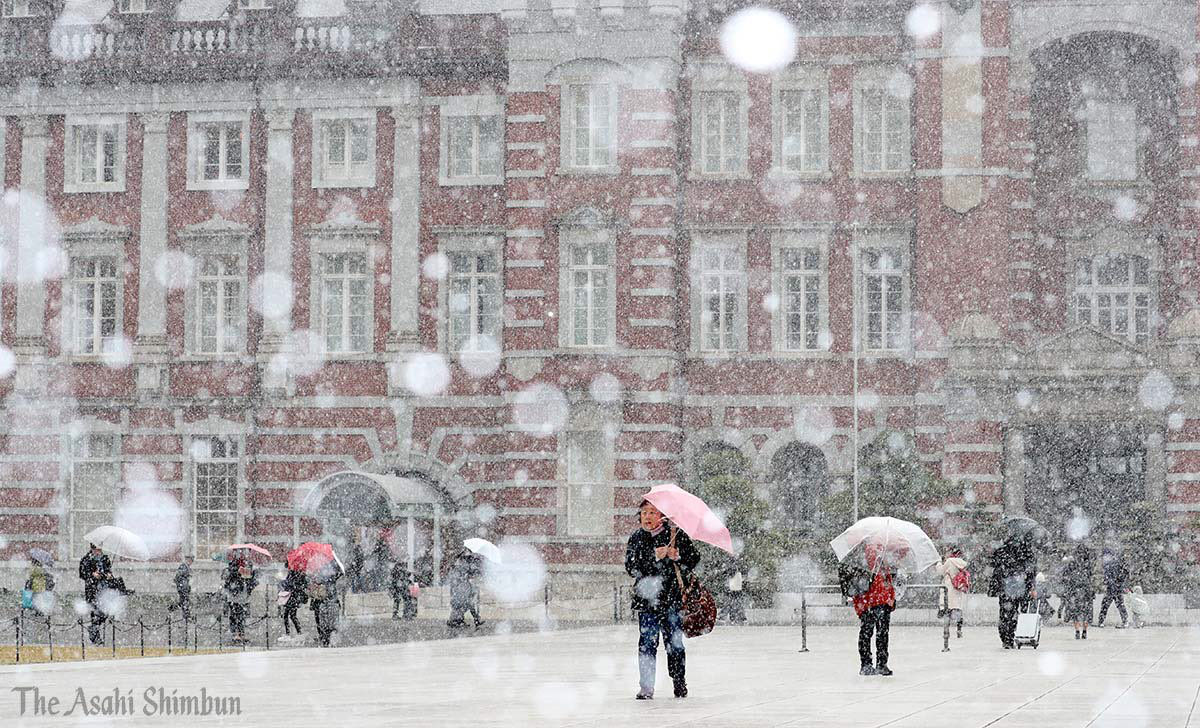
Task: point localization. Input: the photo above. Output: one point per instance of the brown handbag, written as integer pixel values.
(699, 610)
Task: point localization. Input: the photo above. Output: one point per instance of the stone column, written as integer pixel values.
(151, 343)
(32, 242)
(1014, 470)
(406, 208)
(962, 116)
(1156, 469)
(277, 260)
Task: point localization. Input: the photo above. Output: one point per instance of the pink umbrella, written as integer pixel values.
(691, 514)
(253, 551)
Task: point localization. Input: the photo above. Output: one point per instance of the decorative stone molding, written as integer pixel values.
(94, 230)
(214, 228)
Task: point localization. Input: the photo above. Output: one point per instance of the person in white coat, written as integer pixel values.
(953, 596)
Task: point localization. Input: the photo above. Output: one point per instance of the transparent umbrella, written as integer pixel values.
(877, 542)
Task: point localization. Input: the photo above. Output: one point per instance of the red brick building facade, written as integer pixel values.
(245, 251)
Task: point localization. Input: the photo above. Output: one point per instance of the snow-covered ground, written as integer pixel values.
(747, 676)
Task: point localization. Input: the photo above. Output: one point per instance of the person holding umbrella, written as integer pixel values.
(872, 552)
(464, 595)
(39, 587)
(322, 569)
(653, 554)
(238, 582)
(95, 569)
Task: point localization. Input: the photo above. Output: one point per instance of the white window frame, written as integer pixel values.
(879, 79)
(214, 237)
(568, 162)
(254, 5)
(322, 258)
(900, 243)
(476, 107)
(571, 237)
(92, 239)
(72, 171)
(1093, 290)
(727, 244)
(469, 243)
(810, 81)
(807, 240)
(76, 530)
(1091, 113)
(194, 468)
(18, 8)
(719, 78)
(132, 7)
(196, 121)
(323, 175)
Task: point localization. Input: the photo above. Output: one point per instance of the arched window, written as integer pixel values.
(1112, 293)
(799, 479)
(717, 459)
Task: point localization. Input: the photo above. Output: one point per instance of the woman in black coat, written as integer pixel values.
(1079, 589)
(658, 556)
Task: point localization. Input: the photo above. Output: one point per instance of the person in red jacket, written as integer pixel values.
(874, 608)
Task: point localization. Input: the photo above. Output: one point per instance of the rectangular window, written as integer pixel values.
(721, 132)
(94, 304)
(884, 122)
(218, 147)
(131, 6)
(590, 502)
(215, 494)
(1112, 141)
(884, 296)
(345, 302)
(474, 146)
(95, 477)
(253, 5)
(590, 276)
(1112, 293)
(347, 151)
(721, 279)
(219, 304)
(590, 109)
(801, 298)
(95, 152)
(16, 9)
(802, 130)
(474, 301)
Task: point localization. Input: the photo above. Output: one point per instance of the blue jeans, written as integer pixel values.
(668, 623)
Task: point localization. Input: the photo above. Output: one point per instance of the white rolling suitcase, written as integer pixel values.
(1029, 627)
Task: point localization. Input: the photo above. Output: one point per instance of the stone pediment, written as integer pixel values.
(588, 217)
(345, 224)
(93, 230)
(1084, 347)
(214, 228)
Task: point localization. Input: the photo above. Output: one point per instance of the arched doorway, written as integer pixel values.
(799, 479)
(392, 517)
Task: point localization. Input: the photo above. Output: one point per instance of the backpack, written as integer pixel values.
(853, 580)
(961, 581)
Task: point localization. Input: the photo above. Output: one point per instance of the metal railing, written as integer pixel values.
(804, 590)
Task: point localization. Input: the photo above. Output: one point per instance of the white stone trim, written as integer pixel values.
(92, 238)
(194, 150)
(716, 76)
(803, 78)
(881, 77)
(807, 239)
(570, 236)
(71, 124)
(878, 238)
(480, 106)
(331, 238)
(735, 240)
(469, 241)
(214, 236)
(320, 119)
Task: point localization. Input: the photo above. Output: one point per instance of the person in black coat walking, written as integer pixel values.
(295, 584)
(1014, 574)
(400, 587)
(1079, 591)
(239, 581)
(658, 556)
(95, 569)
(1116, 575)
(183, 588)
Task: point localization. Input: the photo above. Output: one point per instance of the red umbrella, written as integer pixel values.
(312, 556)
(691, 514)
(250, 551)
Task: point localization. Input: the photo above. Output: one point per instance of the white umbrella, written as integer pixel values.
(484, 548)
(118, 541)
(902, 545)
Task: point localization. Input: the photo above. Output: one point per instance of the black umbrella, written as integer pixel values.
(1023, 529)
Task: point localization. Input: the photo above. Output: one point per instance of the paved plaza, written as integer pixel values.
(738, 676)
